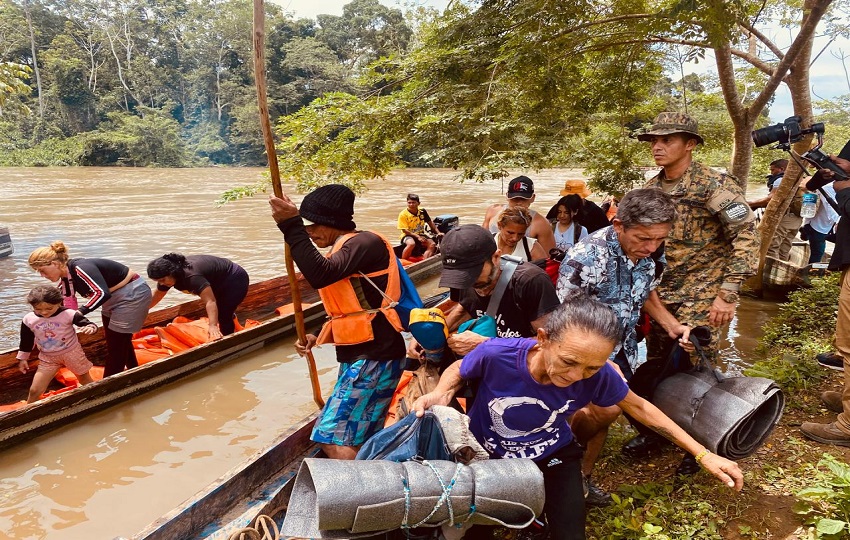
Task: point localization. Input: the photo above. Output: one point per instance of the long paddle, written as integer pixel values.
(265, 123)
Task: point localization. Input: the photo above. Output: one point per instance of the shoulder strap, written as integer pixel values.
(509, 264)
(576, 232)
(525, 245)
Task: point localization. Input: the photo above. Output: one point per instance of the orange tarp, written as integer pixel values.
(152, 344)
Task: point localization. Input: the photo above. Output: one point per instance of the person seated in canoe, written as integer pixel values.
(511, 238)
(120, 293)
(528, 388)
(521, 194)
(221, 283)
(362, 323)
(411, 222)
(565, 226)
(50, 326)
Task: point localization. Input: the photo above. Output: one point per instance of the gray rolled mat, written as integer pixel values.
(731, 416)
(345, 499)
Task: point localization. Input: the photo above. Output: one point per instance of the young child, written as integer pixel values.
(51, 327)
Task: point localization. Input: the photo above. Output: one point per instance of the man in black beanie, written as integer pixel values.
(361, 324)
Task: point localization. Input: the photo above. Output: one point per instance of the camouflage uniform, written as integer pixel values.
(713, 242)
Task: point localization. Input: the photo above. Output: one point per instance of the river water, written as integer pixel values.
(112, 473)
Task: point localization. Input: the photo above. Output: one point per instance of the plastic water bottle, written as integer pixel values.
(810, 201)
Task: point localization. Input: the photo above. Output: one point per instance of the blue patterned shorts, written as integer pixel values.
(358, 405)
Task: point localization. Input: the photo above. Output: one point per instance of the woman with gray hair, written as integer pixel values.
(529, 388)
(513, 222)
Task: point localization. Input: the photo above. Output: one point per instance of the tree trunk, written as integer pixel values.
(742, 153)
(35, 61)
(798, 84)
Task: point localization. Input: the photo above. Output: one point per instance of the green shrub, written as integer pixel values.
(825, 505)
(49, 153)
(806, 321)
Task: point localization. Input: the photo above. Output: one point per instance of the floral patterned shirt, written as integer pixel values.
(598, 265)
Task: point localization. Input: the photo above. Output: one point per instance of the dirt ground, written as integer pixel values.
(764, 508)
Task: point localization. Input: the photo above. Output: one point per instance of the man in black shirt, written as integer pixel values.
(472, 268)
(362, 325)
(837, 432)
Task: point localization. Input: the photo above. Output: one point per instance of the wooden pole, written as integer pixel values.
(268, 139)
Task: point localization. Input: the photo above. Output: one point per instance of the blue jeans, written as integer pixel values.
(817, 241)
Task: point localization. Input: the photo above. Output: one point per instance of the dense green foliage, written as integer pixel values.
(484, 87)
(168, 83)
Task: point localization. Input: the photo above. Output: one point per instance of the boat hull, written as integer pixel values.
(6, 247)
(22, 424)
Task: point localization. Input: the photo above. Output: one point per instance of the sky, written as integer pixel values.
(828, 78)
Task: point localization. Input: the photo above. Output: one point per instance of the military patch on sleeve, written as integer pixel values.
(735, 212)
(729, 206)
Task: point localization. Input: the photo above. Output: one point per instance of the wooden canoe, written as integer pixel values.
(263, 298)
(260, 485)
(6, 247)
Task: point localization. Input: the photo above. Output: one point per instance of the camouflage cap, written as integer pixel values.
(667, 123)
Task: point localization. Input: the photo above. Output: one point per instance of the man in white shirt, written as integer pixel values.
(815, 229)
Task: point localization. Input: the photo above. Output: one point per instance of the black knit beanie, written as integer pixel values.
(331, 205)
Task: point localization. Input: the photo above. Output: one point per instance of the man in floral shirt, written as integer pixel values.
(616, 266)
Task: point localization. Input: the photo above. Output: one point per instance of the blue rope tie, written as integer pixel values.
(445, 498)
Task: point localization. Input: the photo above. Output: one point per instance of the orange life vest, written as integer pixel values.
(350, 320)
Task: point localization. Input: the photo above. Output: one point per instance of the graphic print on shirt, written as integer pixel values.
(527, 425)
(50, 330)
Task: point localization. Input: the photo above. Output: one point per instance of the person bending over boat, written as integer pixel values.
(511, 238)
(50, 325)
(221, 283)
(362, 325)
(621, 266)
(528, 388)
(120, 293)
(473, 269)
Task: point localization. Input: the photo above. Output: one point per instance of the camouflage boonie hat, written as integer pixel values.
(667, 123)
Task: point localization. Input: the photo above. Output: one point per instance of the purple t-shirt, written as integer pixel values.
(514, 416)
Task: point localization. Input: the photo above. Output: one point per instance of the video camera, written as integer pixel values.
(789, 132)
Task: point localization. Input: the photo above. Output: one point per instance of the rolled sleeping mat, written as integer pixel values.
(348, 499)
(731, 416)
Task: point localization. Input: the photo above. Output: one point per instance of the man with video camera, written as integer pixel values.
(837, 432)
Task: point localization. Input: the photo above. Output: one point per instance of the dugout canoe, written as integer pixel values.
(6, 246)
(781, 277)
(259, 486)
(263, 298)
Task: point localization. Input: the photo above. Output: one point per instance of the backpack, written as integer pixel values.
(411, 437)
(409, 298)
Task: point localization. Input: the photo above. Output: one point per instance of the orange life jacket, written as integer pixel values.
(350, 320)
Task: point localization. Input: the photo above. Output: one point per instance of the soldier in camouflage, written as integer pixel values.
(712, 248)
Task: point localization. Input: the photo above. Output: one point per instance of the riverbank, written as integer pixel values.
(793, 488)
(651, 503)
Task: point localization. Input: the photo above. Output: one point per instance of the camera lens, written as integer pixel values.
(770, 134)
